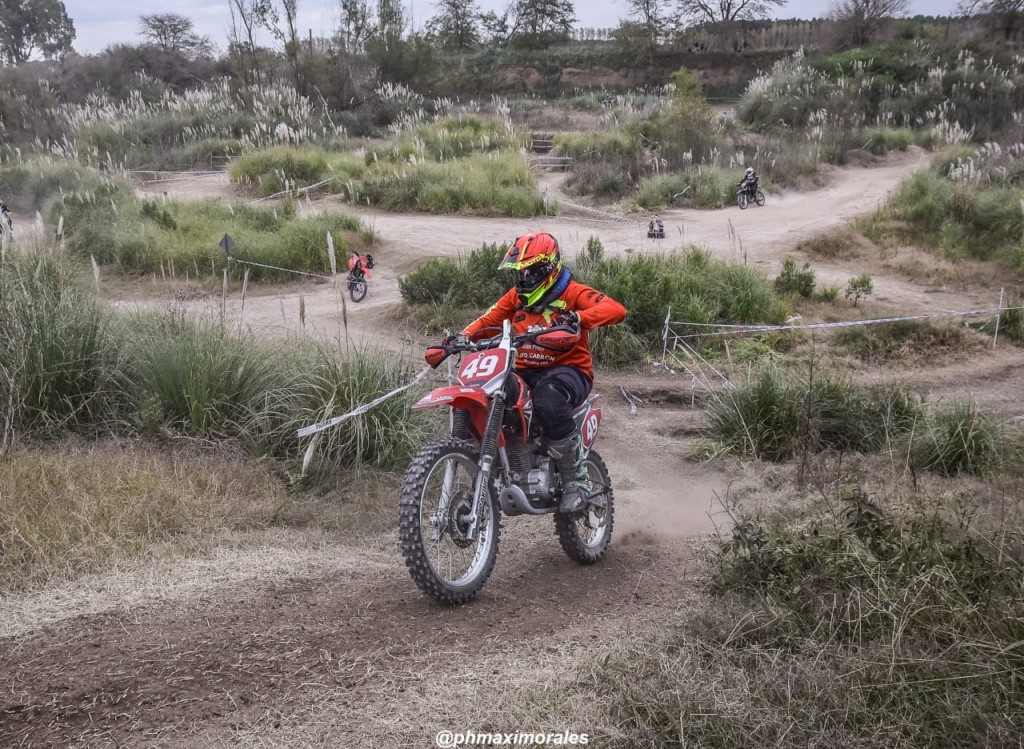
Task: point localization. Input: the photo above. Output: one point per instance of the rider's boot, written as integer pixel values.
(568, 457)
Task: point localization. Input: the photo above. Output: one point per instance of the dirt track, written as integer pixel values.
(335, 646)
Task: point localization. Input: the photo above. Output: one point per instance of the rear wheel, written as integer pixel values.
(759, 198)
(584, 536)
(357, 289)
(741, 200)
(434, 521)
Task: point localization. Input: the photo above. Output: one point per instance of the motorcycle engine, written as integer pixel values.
(538, 481)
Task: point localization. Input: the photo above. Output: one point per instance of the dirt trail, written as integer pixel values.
(346, 641)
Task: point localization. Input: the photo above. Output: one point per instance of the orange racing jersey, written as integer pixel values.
(593, 307)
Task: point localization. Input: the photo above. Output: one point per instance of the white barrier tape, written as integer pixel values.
(734, 329)
(313, 429)
(283, 270)
(296, 191)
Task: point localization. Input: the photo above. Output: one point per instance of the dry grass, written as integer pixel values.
(68, 510)
(840, 244)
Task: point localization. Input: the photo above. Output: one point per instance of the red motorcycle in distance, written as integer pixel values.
(493, 461)
(359, 267)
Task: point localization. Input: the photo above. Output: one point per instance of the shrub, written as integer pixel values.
(470, 281)
(858, 287)
(795, 282)
(901, 340)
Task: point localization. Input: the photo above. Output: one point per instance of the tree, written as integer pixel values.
(355, 25)
(251, 15)
(173, 32)
(457, 24)
(857, 21)
(28, 26)
(726, 11)
(651, 17)
(532, 23)
(1003, 16)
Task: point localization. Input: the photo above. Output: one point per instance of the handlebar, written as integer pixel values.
(437, 353)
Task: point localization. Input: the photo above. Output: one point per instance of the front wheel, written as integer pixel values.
(759, 197)
(357, 289)
(584, 536)
(434, 522)
(741, 200)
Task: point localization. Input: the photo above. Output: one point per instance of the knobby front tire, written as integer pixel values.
(357, 290)
(436, 496)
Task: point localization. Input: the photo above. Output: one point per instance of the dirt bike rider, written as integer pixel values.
(545, 294)
(749, 182)
(6, 213)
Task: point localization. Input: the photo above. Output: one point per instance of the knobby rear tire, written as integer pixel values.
(569, 527)
(411, 526)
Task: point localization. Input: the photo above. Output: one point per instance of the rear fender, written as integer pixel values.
(588, 420)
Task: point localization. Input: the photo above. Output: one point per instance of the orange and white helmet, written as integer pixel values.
(536, 264)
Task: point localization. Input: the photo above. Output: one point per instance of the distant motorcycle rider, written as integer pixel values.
(545, 294)
(749, 183)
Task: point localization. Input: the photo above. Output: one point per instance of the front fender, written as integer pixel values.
(456, 396)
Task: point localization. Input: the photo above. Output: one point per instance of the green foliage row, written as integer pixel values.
(282, 168)
(695, 286)
(68, 364)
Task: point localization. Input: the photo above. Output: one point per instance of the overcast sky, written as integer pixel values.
(100, 23)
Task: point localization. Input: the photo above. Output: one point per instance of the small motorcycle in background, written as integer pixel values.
(359, 267)
(745, 195)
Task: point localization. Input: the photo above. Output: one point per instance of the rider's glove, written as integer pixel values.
(457, 339)
(569, 319)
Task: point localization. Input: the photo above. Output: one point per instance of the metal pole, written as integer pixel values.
(999, 316)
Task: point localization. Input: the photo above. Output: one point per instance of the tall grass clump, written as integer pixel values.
(500, 185)
(284, 168)
(177, 237)
(199, 380)
(909, 340)
(967, 205)
(774, 416)
(450, 138)
(60, 358)
(705, 187)
(961, 439)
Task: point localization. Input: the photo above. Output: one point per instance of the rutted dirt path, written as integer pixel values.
(337, 647)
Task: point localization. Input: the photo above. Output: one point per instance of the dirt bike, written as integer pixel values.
(359, 267)
(493, 461)
(744, 195)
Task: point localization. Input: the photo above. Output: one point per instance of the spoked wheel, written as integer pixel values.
(759, 197)
(585, 535)
(741, 200)
(357, 289)
(435, 522)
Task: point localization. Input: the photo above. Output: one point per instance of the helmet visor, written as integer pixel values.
(530, 278)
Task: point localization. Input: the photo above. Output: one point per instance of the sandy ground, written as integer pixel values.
(290, 645)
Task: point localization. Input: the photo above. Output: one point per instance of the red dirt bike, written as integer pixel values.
(493, 461)
(359, 267)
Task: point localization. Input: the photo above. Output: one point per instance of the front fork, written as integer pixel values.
(488, 451)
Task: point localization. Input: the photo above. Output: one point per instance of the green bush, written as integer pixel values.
(793, 282)
(899, 340)
(470, 281)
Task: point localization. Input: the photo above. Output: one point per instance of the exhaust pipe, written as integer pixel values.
(514, 502)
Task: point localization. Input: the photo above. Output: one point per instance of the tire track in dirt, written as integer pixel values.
(138, 678)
